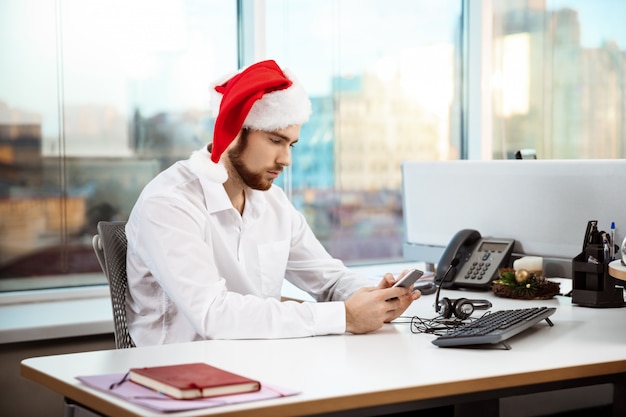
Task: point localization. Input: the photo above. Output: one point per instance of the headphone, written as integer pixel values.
(460, 308)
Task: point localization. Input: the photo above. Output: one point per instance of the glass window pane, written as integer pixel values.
(98, 97)
(559, 78)
(384, 79)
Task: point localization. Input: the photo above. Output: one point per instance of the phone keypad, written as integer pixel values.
(477, 270)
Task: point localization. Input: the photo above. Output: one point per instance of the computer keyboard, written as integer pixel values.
(495, 327)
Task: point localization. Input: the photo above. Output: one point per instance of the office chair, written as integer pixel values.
(110, 246)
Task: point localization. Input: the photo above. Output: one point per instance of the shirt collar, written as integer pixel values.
(215, 196)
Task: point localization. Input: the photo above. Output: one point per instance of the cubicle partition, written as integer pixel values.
(543, 204)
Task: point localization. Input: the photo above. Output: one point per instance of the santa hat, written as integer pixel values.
(261, 97)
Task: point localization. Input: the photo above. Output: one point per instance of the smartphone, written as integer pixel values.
(409, 279)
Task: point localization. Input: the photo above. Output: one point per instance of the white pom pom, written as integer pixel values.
(201, 163)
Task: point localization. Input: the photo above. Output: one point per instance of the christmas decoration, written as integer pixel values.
(524, 285)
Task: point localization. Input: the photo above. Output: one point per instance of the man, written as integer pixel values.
(211, 239)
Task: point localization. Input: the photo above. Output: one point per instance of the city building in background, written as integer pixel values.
(553, 92)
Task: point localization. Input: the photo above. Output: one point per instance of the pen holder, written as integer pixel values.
(592, 285)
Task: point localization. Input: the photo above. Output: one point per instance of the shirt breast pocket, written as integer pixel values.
(273, 263)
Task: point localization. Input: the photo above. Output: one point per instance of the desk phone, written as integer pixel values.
(479, 260)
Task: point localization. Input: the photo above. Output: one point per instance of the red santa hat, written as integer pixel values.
(261, 97)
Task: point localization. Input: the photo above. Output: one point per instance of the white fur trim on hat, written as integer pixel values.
(280, 109)
(200, 163)
(276, 110)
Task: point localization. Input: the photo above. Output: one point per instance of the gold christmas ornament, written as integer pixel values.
(522, 276)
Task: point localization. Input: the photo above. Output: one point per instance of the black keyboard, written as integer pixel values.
(495, 327)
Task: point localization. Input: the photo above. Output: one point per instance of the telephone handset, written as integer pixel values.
(479, 260)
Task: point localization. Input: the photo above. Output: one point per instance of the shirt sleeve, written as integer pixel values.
(312, 269)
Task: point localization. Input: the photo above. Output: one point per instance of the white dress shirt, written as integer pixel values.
(197, 269)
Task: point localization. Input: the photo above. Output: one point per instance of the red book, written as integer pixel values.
(193, 380)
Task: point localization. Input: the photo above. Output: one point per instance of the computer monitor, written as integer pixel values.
(543, 204)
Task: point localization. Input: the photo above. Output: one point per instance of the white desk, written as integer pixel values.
(390, 370)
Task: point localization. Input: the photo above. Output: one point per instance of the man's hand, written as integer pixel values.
(369, 308)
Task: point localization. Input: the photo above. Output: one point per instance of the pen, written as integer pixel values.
(607, 250)
(612, 248)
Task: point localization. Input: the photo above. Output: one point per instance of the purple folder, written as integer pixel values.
(154, 400)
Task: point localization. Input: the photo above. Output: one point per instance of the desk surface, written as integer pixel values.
(391, 366)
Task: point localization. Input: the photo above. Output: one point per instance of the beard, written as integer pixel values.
(251, 179)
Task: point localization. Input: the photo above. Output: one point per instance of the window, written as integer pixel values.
(559, 79)
(385, 82)
(98, 97)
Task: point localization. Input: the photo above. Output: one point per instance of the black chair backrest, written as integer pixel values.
(110, 245)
